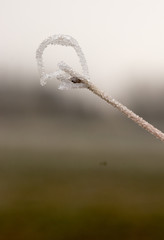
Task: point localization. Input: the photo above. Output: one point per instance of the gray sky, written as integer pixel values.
(120, 38)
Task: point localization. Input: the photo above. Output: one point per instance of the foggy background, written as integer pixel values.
(71, 166)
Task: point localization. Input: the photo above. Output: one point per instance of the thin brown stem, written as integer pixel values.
(134, 117)
(77, 78)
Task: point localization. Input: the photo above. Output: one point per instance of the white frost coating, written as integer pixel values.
(72, 79)
(61, 74)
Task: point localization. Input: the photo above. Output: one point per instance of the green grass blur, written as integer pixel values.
(74, 170)
(50, 194)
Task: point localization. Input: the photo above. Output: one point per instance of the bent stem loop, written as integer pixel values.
(71, 79)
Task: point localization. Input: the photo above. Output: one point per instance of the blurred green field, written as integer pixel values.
(46, 194)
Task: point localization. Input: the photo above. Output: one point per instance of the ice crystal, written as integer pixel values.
(65, 73)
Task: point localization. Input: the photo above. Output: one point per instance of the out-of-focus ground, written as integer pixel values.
(71, 166)
(69, 169)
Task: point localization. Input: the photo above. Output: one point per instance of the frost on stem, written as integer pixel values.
(69, 78)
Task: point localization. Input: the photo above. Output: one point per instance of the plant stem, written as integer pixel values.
(134, 117)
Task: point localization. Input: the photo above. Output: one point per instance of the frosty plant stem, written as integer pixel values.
(71, 79)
